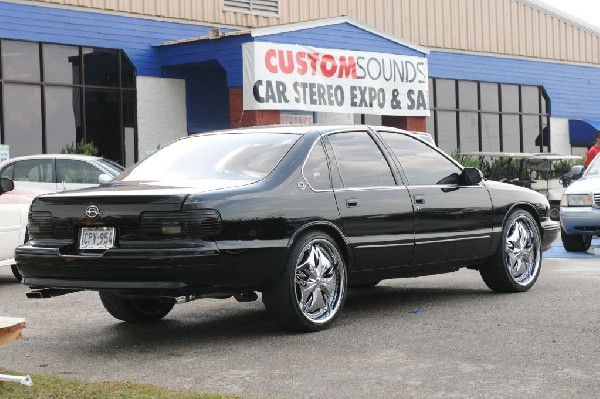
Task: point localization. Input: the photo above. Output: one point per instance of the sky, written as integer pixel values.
(585, 10)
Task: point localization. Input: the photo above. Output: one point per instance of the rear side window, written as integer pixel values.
(316, 171)
(35, 170)
(422, 165)
(360, 161)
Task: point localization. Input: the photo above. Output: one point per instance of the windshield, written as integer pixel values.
(594, 168)
(113, 168)
(246, 157)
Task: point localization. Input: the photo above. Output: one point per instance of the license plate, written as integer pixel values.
(97, 238)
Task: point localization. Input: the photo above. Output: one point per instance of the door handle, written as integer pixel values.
(351, 202)
(419, 199)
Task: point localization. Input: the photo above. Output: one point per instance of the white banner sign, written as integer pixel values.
(294, 77)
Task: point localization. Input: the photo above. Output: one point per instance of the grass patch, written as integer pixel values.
(51, 387)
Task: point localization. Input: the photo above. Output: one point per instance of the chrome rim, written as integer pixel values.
(320, 280)
(522, 250)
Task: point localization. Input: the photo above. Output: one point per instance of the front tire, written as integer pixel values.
(312, 289)
(134, 310)
(575, 242)
(516, 266)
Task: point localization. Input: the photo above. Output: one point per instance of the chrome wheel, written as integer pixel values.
(319, 279)
(522, 250)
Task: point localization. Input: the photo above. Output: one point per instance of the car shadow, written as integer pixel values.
(240, 324)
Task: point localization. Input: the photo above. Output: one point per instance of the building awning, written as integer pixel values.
(582, 131)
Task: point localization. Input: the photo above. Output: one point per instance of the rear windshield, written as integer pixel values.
(241, 157)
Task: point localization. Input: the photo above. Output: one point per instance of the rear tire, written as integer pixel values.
(134, 310)
(516, 266)
(15, 272)
(312, 289)
(575, 242)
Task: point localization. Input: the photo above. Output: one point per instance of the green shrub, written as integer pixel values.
(81, 147)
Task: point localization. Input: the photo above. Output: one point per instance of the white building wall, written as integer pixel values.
(334, 118)
(161, 112)
(559, 136)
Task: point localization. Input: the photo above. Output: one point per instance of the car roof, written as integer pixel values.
(48, 156)
(300, 129)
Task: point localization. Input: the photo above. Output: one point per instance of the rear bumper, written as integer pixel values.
(155, 270)
(551, 231)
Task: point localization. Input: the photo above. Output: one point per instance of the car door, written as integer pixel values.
(453, 221)
(74, 173)
(376, 212)
(35, 174)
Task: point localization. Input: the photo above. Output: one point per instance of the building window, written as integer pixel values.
(485, 116)
(258, 7)
(54, 95)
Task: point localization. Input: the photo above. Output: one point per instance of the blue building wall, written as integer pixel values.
(574, 90)
(133, 35)
(206, 95)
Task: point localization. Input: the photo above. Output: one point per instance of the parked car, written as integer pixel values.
(49, 173)
(297, 213)
(14, 206)
(580, 209)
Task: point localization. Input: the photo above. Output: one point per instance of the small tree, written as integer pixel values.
(81, 147)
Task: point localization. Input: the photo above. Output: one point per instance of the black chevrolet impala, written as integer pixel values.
(299, 214)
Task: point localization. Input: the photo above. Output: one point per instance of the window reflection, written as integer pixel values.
(421, 164)
(101, 67)
(23, 118)
(21, 61)
(61, 64)
(63, 117)
(360, 162)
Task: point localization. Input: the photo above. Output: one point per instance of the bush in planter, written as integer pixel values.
(81, 147)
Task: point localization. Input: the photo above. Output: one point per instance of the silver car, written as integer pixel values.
(580, 210)
(49, 173)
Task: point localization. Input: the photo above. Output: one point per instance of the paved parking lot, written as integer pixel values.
(438, 336)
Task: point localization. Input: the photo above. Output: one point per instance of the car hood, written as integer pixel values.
(586, 185)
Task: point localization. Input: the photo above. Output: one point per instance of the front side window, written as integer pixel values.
(421, 164)
(359, 160)
(74, 171)
(7, 171)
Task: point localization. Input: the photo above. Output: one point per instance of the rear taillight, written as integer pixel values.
(40, 224)
(198, 223)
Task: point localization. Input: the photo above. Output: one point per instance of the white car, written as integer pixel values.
(14, 206)
(25, 177)
(49, 173)
(580, 210)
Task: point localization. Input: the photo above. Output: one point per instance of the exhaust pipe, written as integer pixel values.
(48, 293)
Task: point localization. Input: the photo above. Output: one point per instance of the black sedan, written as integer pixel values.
(297, 213)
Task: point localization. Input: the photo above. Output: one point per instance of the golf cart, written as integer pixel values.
(542, 172)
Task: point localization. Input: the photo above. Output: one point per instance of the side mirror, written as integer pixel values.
(104, 178)
(576, 172)
(6, 185)
(471, 176)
